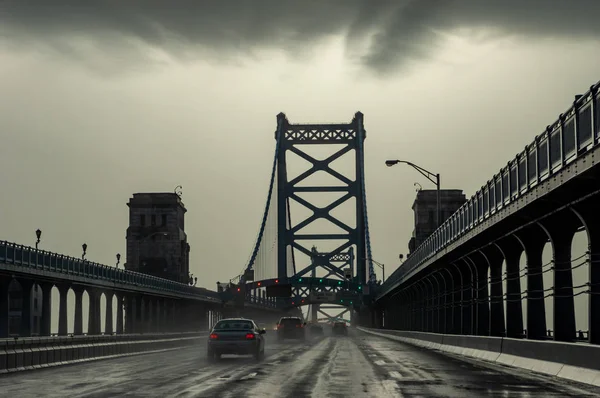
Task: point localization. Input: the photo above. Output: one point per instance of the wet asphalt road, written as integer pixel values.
(360, 365)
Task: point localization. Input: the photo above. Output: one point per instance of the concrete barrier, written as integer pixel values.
(573, 361)
(38, 352)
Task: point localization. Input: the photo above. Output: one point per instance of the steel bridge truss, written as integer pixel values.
(289, 137)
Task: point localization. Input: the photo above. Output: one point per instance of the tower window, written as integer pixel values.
(164, 219)
(153, 220)
(143, 219)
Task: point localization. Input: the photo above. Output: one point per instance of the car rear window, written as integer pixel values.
(290, 321)
(233, 325)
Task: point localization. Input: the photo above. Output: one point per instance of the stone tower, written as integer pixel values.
(156, 239)
(425, 207)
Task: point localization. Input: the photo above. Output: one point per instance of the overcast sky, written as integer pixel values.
(100, 100)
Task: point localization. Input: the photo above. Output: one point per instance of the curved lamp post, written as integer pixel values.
(38, 235)
(434, 178)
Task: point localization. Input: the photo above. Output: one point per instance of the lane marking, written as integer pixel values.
(250, 376)
(395, 375)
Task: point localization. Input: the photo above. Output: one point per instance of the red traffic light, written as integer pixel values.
(239, 289)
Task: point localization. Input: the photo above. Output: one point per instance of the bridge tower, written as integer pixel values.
(290, 138)
(156, 239)
(273, 260)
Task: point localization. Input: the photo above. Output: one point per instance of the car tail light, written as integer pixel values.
(279, 326)
(250, 336)
(213, 336)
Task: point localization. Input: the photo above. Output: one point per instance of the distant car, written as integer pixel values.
(316, 329)
(237, 336)
(340, 328)
(290, 328)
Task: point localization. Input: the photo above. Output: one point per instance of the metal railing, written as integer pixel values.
(31, 258)
(574, 133)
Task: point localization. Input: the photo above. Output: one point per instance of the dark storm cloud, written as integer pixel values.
(381, 34)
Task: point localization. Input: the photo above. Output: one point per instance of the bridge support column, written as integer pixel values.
(78, 316)
(438, 313)
(4, 303)
(495, 258)
(97, 315)
(483, 296)
(588, 213)
(448, 280)
(108, 320)
(457, 293)
(25, 327)
(512, 249)
(561, 229)
(148, 315)
(131, 302)
(422, 307)
(120, 305)
(140, 315)
(468, 326)
(63, 322)
(45, 324)
(534, 239)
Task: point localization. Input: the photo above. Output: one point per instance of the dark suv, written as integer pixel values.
(340, 328)
(290, 328)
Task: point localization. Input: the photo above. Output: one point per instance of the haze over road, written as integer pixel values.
(360, 365)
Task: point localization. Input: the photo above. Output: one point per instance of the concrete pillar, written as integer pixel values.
(132, 323)
(479, 265)
(468, 326)
(108, 320)
(4, 302)
(94, 315)
(63, 321)
(149, 325)
(157, 316)
(449, 309)
(561, 228)
(494, 257)
(141, 316)
(533, 239)
(46, 321)
(587, 211)
(512, 249)
(25, 328)
(457, 292)
(120, 303)
(439, 314)
(78, 321)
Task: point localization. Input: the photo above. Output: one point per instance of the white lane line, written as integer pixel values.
(249, 376)
(380, 362)
(395, 375)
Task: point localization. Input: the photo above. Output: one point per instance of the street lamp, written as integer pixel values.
(38, 234)
(118, 260)
(434, 178)
(84, 247)
(382, 266)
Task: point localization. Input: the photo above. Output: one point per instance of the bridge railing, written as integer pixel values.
(33, 259)
(574, 133)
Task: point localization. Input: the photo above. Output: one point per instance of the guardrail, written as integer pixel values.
(41, 352)
(573, 361)
(576, 132)
(33, 259)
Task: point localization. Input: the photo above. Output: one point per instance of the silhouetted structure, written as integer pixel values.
(156, 239)
(425, 206)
